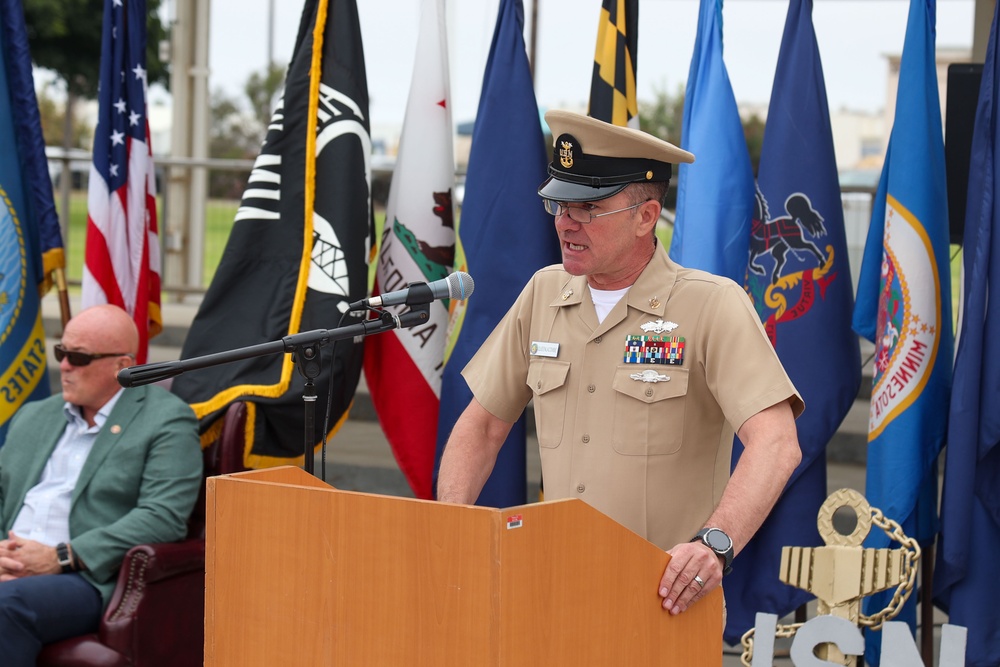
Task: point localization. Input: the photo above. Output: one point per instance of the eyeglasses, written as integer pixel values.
(578, 214)
(83, 358)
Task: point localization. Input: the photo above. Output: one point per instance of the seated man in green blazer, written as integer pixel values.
(84, 476)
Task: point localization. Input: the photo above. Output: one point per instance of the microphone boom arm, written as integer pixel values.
(135, 376)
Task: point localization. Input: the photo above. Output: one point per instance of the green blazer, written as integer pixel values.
(137, 486)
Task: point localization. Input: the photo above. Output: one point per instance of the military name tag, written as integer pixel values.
(667, 350)
(543, 349)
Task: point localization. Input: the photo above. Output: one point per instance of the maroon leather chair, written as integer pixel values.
(156, 617)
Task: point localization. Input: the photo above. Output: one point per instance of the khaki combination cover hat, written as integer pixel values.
(593, 160)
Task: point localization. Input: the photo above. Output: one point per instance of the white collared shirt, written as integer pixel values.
(44, 516)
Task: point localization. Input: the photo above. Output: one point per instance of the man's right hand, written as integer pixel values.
(8, 564)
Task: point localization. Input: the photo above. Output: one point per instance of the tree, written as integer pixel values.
(662, 118)
(262, 89)
(238, 126)
(53, 120)
(753, 131)
(65, 37)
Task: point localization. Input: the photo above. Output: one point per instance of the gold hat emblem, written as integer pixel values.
(566, 154)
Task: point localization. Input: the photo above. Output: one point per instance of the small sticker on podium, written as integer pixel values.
(514, 521)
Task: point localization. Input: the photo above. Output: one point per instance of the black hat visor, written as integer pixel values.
(558, 190)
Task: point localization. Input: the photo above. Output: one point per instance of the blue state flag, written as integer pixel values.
(966, 585)
(715, 193)
(28, 223)
(904, 307)
(799, 280)
(504, 234)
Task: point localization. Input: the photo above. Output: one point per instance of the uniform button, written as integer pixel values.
(591, 388)
(586, 438)
(538, 384)
(598, 339)
(580, 488)
(649, 391)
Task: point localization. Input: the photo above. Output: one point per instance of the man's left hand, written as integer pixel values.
(692, 572)
(20, 557)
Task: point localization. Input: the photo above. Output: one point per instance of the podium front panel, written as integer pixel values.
(301, 575)
(580, 589)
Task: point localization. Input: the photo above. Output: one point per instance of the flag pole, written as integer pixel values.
(534, 39)
(64, 309)
(927, 605)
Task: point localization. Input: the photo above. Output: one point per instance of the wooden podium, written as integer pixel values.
(299, 573)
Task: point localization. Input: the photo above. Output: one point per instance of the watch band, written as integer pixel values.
(718, 541)
(64, 558)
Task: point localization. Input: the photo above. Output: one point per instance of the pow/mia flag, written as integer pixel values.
(298, 249)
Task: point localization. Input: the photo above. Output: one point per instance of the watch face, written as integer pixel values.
(718, 540)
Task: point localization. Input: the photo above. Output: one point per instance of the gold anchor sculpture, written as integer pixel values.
(841, 573)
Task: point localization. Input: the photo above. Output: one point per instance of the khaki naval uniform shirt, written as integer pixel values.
(654, 456)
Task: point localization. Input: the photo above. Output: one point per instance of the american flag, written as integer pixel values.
(123, 251)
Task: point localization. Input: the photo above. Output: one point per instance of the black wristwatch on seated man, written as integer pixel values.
(717, 540)
(64, 557)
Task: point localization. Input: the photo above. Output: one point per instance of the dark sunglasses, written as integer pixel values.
(83, 358)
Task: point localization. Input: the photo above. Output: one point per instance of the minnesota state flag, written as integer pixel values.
(904, 306)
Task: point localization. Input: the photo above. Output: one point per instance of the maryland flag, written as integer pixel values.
(297, 254)
(612, 89)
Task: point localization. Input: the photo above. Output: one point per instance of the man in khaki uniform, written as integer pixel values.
(640, 371)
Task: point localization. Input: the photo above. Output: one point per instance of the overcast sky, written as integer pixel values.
(854, 36)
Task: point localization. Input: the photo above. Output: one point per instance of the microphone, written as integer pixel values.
(458, 285)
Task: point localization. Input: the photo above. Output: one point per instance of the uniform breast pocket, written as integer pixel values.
(649, 409)
(547, 380)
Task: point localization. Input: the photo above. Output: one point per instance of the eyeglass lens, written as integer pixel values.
(79, 358)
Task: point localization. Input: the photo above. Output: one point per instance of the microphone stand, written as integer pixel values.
(305, 350)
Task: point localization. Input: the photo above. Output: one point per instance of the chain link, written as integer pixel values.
(911, 557)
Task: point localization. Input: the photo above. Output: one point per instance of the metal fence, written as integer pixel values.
(227, 178)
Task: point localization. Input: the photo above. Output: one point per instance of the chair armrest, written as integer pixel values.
(158, 603)
(153, 562)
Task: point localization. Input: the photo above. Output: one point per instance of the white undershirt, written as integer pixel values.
(605, 300)
(44, 516)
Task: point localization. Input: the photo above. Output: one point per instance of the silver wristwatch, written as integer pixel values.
(717, 540)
